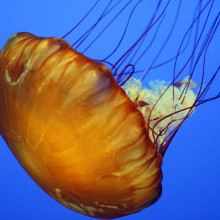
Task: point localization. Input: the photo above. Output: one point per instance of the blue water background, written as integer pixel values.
(191, 168)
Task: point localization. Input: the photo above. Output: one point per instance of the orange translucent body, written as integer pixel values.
(74, 130)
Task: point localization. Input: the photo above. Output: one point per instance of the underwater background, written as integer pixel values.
(191, 166)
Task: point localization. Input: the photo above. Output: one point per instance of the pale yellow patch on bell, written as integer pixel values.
(22, 75)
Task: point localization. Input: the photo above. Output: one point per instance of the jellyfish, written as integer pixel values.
(53, 123)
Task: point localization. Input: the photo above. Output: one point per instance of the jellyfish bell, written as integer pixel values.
(92, 138)
(103, 167)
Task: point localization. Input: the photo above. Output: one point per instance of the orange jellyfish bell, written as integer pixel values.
(74, 129)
